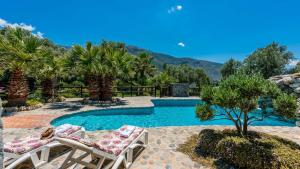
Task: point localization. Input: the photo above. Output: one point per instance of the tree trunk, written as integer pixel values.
(49, 89)
(236, 123)
(106, 90)
(18, 88)
(92, 82)
(245, 125)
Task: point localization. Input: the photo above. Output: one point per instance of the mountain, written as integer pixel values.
(211, 68)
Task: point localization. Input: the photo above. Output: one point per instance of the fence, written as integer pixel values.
(120, 91)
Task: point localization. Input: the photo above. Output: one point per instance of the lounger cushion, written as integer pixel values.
(114, 143)
(69, 131)
(20, 146)
(23, 145)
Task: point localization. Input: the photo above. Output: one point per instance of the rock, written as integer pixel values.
(297, 80)
(294, 85)
(279, 82)
(158, 141)
(297, 90)
(168, 166)
(287, 80)
(10, 109)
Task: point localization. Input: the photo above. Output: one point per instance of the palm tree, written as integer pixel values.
(19, 49)
(143, 68)
(115, 61)
(87, 61)
(48, 70)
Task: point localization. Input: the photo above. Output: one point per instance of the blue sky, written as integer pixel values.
(213, 30)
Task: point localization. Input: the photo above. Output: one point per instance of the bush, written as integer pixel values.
(244, 154)
(208, 140)
(284, 104)
(33, 102)
(258, 150)
(36, 94)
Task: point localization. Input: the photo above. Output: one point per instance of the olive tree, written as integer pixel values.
(238, 96)
(268, 61)
(230, 67)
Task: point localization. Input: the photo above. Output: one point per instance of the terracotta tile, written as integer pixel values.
(28, 121)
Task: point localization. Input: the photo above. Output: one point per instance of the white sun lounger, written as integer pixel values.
(100, 150)
(11, 160)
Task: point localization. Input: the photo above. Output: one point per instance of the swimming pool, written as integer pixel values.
(171, 112)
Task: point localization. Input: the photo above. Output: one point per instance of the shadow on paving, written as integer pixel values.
(68, 106)
(77, 105)
(57, 155)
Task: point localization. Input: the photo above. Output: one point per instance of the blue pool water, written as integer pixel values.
(165, 113)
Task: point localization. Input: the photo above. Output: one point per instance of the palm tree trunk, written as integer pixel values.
(18, 88)
(49, 89)
(92, 82)
(106, 89)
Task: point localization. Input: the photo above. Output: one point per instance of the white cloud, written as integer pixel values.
(179, 7)
(181, 44)
(175, 8)
(39, 34)
(4, 23)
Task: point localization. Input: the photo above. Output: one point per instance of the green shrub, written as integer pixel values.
(257, 150)
(36, 94)
(208, 140)
(33, 102)
(284, 104)
(244, 154)
(68, 94)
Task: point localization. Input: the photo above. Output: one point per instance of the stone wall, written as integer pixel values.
(291, 84)
(180, 89)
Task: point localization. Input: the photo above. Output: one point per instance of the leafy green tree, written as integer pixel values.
(200, 78)
(268, 61)
(143, 68)
(238, 95)
(230, 67)
(187, 74)
(19, 50)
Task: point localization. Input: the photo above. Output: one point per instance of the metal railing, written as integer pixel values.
(120, 91)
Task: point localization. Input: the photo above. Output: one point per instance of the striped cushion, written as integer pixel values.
(24, 145)
(114, 143)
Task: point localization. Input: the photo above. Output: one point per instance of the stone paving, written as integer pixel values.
(163, 141)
